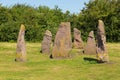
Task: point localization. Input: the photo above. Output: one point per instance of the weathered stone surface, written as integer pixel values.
(21, 48)
(63, 42)
(46, 43)
(78, 43)
(90, 47)
(102, 53)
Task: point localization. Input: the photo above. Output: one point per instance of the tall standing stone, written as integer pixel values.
(63, 42)
(78, 43)
(102, 53)
(46, 43)
(21, 48)
(90, 47)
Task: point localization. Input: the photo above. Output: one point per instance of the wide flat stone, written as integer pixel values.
(62, 42)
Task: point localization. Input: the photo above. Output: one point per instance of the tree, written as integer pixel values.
(105, 10)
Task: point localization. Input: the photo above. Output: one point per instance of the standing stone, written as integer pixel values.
(46, 43)
(78, 43)
(63, 42)
(90, 47)
(102, 53)
(21, 48)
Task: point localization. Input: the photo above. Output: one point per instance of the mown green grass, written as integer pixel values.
(41, 67)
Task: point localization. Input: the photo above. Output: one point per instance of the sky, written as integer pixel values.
(74, 6)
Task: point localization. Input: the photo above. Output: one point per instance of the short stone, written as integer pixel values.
(78, 43)
(46, 43)
(90, 47)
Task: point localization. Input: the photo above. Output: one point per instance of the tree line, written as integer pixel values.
(37, 20)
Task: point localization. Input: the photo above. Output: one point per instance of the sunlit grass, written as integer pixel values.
(41, 67)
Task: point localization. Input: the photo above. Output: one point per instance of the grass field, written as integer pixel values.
(41, 67)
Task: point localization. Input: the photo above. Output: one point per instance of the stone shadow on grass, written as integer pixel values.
(90, 60)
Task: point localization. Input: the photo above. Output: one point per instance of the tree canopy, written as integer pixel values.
(39, 19)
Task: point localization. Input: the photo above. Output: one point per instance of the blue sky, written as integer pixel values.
(74, 6)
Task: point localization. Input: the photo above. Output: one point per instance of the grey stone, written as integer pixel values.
(90, 47)
(21, 47)
(46, 43)
(78, 43)
(102, 53)
(63, 42)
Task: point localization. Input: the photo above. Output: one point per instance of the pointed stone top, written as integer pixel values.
(48, 33)
(100, 21)
(75, 29)
(22, 27)
(101, 26)
(91, 34)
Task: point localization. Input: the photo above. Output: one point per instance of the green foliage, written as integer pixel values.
(106, 10)
(9, 31)
(37, 20)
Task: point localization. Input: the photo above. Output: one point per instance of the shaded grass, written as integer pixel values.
(41, 67)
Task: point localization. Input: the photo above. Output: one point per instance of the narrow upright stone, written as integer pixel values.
(78, 43)
(102, 53)
(63, 42)
(21, 48)
(46, 43)
(90, 47)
